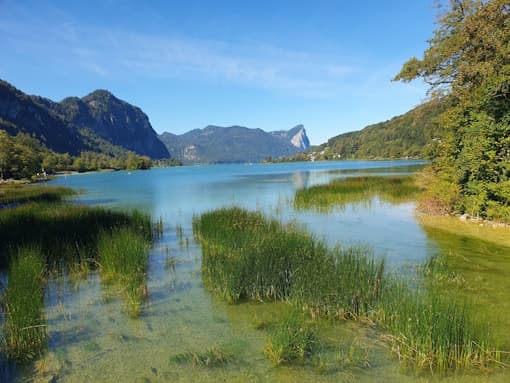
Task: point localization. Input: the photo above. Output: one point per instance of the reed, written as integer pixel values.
(247, 256)
(292, 341)
(339, 193)
(210, 358)
(25, 326)
(23, 193)
(123, 260)
(66, 234)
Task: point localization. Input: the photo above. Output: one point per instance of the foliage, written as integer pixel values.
(24, 157)
(412, 135)
(123, 260)
(246, 256)
(468, 61)
(292, 340)
(20, 193)
(210, 358)
(338, 193)
(76, 227)
(25, 327)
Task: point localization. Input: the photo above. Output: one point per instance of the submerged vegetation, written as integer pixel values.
(338, 193)
(247, 256)
(292, 340)
(210, 358)
(41, 238)
(25, 325)
(76, 227)
(123, 260)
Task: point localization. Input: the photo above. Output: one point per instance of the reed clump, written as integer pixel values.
(25, 325)
(210, 358)
(123, 260)
(66, 234)
(339, 193)
(292, 341)
(23, 193)
(247, 256)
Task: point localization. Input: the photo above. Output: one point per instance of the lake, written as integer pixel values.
(91, 339)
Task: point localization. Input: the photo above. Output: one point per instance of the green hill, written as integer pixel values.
(408, 135)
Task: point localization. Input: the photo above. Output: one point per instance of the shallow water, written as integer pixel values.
(92, 338)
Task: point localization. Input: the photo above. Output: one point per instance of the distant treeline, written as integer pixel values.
(25, 157)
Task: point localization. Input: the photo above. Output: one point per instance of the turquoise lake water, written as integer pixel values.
(93, 340)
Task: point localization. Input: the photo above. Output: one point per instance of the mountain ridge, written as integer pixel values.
(74, 125)
(234, 144)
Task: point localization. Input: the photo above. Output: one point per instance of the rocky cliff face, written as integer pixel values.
(26, 114)
(60, 124)
(234, 144)
(297, 137)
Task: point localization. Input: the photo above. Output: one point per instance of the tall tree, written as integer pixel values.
(468, 61)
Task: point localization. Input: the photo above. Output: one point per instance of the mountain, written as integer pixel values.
(234, 144)
(20, 112)
(97, 122)
(408, 135)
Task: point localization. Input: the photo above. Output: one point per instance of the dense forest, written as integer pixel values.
(468, 64)
(409, 135)
(25, 157)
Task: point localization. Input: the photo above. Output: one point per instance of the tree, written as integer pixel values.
(468, 62)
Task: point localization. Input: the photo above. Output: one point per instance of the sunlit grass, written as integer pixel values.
(292, 341)
(23, 193)
(25, 326)
(123, 260)
(66, 234)
(338, 193)
(247, 256)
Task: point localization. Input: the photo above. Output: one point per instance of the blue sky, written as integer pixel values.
(187, 64)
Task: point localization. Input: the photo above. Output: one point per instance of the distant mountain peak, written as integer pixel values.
(234, 144)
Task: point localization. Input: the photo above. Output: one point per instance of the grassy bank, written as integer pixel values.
(246, 256)
(338, 193)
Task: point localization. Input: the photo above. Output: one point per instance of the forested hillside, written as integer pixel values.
(408, 135)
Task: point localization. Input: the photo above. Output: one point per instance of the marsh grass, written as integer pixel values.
(66, 234)
(123, 260)
(246, 256)
(339, 193)
(210, 358)
(25, 326)
(293, 340)
(23, 193)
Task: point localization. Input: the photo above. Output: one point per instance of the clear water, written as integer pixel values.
(92, 339)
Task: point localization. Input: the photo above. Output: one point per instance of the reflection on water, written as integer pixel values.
(91, 339)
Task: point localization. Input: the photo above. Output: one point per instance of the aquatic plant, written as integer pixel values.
(340, 192)
(210, 358)
(123, 260)
(247, 256)
(23, 193)
(76, 227)
(25, 326)
(293, 340)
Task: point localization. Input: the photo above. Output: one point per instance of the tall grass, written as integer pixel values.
(123, 259)
(23, 193)
(25, 327)
(246, 256)
(338, 193)
(292, 340)
(66, 234)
